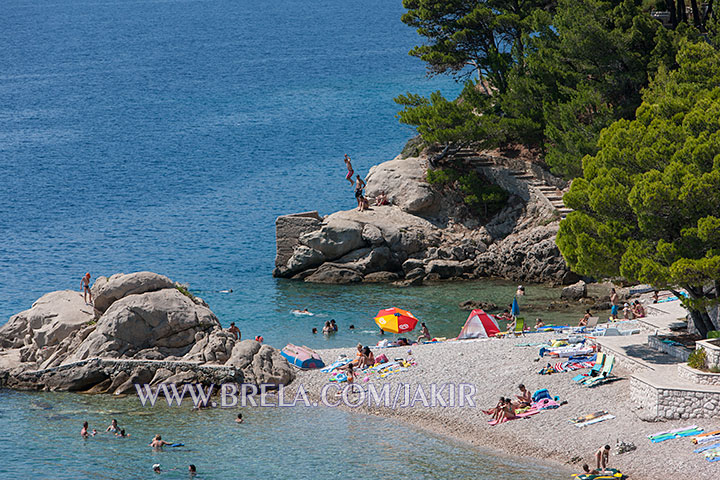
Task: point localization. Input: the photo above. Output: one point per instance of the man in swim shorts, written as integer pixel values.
(349, 175)
(157, 443)
(85, 285)
(359, 185)
(614, 302)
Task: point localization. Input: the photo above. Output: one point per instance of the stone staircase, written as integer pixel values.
(552, 195)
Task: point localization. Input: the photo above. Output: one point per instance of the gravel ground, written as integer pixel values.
(496, 367)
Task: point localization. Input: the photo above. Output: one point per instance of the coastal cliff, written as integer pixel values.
(429, 234)
(142, 328)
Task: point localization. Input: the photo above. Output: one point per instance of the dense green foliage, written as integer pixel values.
(648, 206)
(549, 74)
(697, 359)
(482, 197)
(627, 106)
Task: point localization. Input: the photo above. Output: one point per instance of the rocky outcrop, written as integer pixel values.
(149, 332)
(425, 235)
(576, 291)
(107, 290)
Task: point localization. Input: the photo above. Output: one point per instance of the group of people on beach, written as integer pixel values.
(506, 407)
(359, 185)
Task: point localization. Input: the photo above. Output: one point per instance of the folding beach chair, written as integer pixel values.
(594, 371)
(604, 374)
(519, 326)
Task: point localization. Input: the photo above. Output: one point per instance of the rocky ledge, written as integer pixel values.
(143, 329)
(424, 235)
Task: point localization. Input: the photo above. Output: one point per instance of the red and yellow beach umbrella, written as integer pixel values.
(395, 320)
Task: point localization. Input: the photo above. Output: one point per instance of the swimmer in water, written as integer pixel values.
(158, 443)
(156, 468)
(192, 470)
(122, 433)
(239, 418)
(84, 431)
(113, 426)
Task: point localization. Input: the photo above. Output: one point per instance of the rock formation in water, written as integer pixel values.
(142, 329)
(424, 234)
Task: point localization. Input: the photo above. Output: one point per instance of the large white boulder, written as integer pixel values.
(108, 290)
(403, 181)
(165, 320)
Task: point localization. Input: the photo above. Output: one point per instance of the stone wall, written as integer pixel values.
(698, 376)
(288, 229)
(674, 403)
(679, 353)
(712, 351)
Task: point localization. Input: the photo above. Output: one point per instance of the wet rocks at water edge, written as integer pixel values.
(144, 329)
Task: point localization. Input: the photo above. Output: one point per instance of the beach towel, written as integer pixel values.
(545, 404)
(593, 421)
(336, 365)
(706, 447)
(690, 432)
(590, 416)
(681, 429)
(540, 394)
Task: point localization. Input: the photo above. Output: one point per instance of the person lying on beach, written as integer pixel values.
(235, 331)
(601, 457)
(157, 443)
(122, 433)
(524, 399)
(113, 426)
(328, 328)
(539, 323)
(585, 319)
(424, 333)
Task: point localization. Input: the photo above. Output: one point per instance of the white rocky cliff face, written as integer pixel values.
(145, 330)
(424, 235)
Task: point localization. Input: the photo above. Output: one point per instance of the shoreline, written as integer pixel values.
(496, 366)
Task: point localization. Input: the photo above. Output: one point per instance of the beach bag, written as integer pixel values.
(381, 358)
(540, 394)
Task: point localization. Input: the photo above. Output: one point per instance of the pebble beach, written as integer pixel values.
(496, 367)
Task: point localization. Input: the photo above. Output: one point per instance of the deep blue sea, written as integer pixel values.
(167, 135)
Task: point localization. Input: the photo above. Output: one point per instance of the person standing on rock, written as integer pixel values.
(614, 302)
(85, 285)
(235, 331)
(349, 166)
(359, 185)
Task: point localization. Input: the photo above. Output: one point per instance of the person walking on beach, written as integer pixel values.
(85, 285)
(601, 457)
(614, 302)
(349, 175)
(235, 331)
(359, 185)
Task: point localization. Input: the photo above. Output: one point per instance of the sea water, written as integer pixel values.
(167, 136)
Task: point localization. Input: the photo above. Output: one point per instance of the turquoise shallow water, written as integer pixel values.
(167, 136)
(303, 443)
